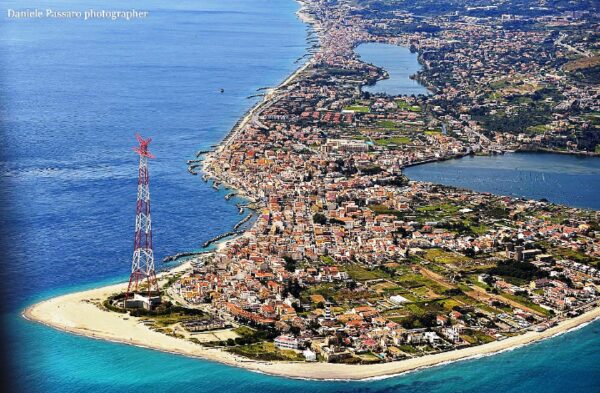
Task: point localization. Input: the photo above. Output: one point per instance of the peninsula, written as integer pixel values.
(350, 269)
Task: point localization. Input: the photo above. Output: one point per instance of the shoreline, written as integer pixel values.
(240, 124)
(267, 98)
(75, 313)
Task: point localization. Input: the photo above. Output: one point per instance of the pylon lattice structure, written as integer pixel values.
(142, 264)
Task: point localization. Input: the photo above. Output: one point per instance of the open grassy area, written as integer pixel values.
(327, 290)
(438, 255)
(430, 306)
(449, 303)
(407, 107)
(360, 273)
(408, 349)
(581, 63)
(526, 302)
(476, 337)
(398, 140)
(413, 280)
(357, 108)
(386, 288)
(369, 357)
(442, 207)
(473, 279)
(389, 124)
(577, 256)
(539, 129)
(328, 260)
(381, 209)
(244, 331)
(265, 351)
(478, 229)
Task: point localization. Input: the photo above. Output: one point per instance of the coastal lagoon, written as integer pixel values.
(73, 94)
(400, 64)
(559, 178)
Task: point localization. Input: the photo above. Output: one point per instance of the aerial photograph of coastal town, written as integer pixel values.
(311, 195)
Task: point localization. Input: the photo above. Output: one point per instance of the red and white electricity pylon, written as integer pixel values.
(142, 265)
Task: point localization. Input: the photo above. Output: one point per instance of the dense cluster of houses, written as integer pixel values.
(324, 165)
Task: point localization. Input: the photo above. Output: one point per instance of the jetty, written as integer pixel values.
(219, 237)
(171, 258)
(202, 152)
(244, 220)
(243, 207)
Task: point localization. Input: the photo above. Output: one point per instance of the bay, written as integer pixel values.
(560, 178)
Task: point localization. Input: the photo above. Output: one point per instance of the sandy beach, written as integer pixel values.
(79, 313)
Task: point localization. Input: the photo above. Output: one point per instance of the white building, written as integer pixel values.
(309, 355)
(287, 342)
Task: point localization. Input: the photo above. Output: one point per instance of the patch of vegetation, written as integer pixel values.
(577, 256)
(438, 255)
(389, 124)
(381, 209)
(442, 207)
(265, 351)
(476, 337)
(360, 273)
(171, 280)
(398, 140)
(326, 259)
(290, 263)
(408, 349)
(370, 170)
(357, 108)
(319, 218)
(414, 321)
(526, 302)
(523, 270)
(407, 107)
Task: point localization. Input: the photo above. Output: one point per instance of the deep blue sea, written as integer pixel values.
(72, 93)
(400, 64)
(564, 179)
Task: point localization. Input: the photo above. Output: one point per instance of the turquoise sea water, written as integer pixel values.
(564, 179)
(72, 93)
(400, 64)
(57, 362)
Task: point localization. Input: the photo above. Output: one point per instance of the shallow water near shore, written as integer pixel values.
(567, 362)
(564, 179)
(73, 94)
